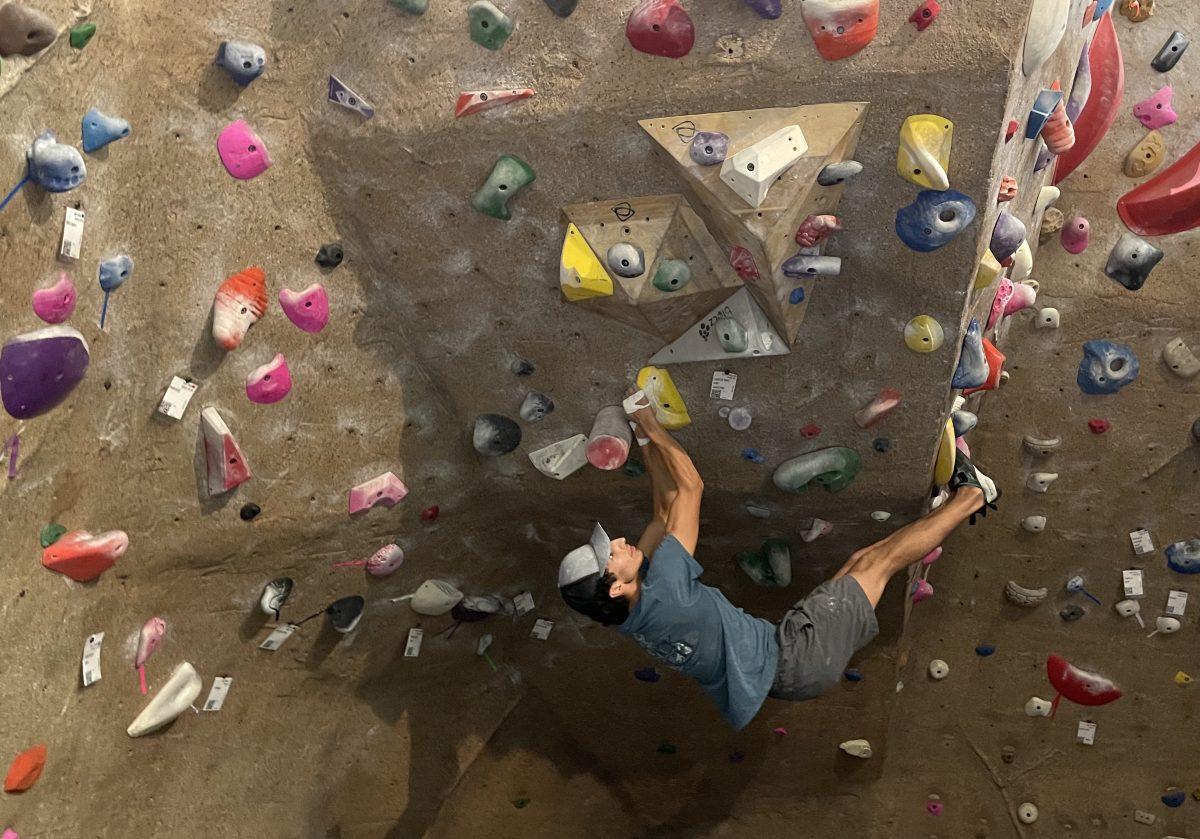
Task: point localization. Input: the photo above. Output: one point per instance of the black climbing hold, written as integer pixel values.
(882, 445)
(495, 435)
(522, 367)
(562, 8)
(736, 756)
(1071, 613)
(330, 255)
(1196, 432)
(249, 511)
(536, 406)
(853, 674)
(344, 614)
(647, 674)
(1170, 53)
(1174, 797)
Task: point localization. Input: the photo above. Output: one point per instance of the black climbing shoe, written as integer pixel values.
(966, 474)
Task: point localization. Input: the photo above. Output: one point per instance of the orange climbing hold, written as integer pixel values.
(26, 768)
(840, 28)
(239, 303)
(474, 101)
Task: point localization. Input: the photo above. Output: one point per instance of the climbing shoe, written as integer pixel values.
(966, 474)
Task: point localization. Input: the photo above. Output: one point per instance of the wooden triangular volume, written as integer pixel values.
(704, 341)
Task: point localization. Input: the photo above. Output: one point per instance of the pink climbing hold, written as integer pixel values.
(816, 229)
(608, 444)
(9, 833)
(1008, 189)
(384, 490)
(661, 27)
(149, 640)
(933, 807)
(810, 431)
(932, 557)
(1004, 293)
(238, 304)
(308, 309)
(1075, 235)
(1098, 426)
(474, 101)
(1156, 112)
(269, 383)
(742, 262)
(56, 303)
(385, 561)
(242, 151)
(874, 411)
(921, 590)
(225, 465)
(1024, 296)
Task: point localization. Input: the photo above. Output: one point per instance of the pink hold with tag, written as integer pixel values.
(1156, 112)
(1004, 294)
(308, 309)
(385, 490)
(242, 151)
(149, 640)
(1076, 234)
(56, 303)
(269, 383)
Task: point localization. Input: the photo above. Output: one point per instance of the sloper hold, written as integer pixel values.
(580, 274)
(1171, 52)
(562, 459)
(1167, 203)
(923, 334)
(923, 153)
(1047, 100)
(752, 171)
(1155, 111)
(509, 176)
(833, 468)
(1079, 686)
(1022, 262)
(1007, 236)
(1024, 296)
(972, 370)
(242, 152)
(1180, 359)
(1184, 557)
(24, 31)
(172, 699)
(83, 556)
(269, 383)
(671, 275)
(709, 148)
(1106, 367)
(54, 166)
(609, 441)
(225, 464)
(39, 369)
(626, 259)
(1044, 32)
(473, 101)
(345, 613)
(385, 561)
(562, 8)
(660, 27)
(701, 342)
(56, 303)
(412, 7)
(934, 219)
(731, 335)
(244, 61)
(1145, 158)
(1107, 72)
(1131, 261)
(1076, 234)
(489, 27)
(839, 172)
(495, 435)
(840, 28)
(668, 404)
(769, 9)
(238, 304)
(925, 14)
(99, 130)
(342, 94)
(25, 769)
(308, 309)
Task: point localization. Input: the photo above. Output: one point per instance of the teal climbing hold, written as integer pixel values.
(50, 534)
(833, 468)
(672, 275)
(490, 27)
(509, 176)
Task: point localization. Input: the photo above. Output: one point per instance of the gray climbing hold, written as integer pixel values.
(495, 435)
(412, 7)
(562, 8)
(244, 61)
(709, 147)
(803, 265)
(833, 468)
(536, 406)
(730, 334)
(489, 26)
(1131, 261)
(972, 368)
(1170, 53)
(1196, 432)
(24, 31)
(626, 260)
(1071, 613)
(1007, 236)
(840, 172)
(672, 275)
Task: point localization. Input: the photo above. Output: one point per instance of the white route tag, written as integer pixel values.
(1131, 578)
(723, 385)
(278, 636)
(91, 658)
(72, 234)
(413, 648)
(1177, 603)
(524, 603)
(1143, 817)
(216, 696)
(1142, 543)
(175, 400)
(635, 401)
(1086, 733)
(541, 629)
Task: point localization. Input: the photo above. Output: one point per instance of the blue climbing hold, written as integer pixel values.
(100, 129)
(882, 445)
(1106, 367)
(853, 674)
(115, 271)
(797, 296)
(984, 650)
(1174, 797)
(55, 166)
(647, 674)
(1102, 6)
(934, 219)
(972, 364)
(1043, 159)
(242, 60)
(1184, 557)
(753, 455)
(1042, 108)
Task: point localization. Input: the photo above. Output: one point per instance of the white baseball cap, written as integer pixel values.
(586, 560)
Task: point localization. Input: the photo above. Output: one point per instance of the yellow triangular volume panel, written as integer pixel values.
(580, 274)
(923, 156)
(664, 396)
(944, 465)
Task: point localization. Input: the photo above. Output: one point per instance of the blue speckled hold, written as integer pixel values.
(1174, 797)
(753, 455)
(797, 296)
(853, 674)
(882, 445)
(99, 130)
(972, 364)
(242, 60)
(1101, 7)
(1184, 557)
(115, 271)
(1106, 367)
(1007, 236)
(934, 219)
(55, 166)
(984, 650)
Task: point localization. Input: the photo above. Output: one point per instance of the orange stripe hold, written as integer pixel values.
(250, 287)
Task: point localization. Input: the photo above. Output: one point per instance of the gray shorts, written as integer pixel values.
(818, 636)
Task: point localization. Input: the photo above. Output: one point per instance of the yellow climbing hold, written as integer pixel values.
(923, 157)
(1182, 678)
(943, 468)
(923, 334)
(580, 274)
(989, 271)
(664, 396)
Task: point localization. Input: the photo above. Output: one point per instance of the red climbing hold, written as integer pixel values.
(925, 14)
(1098, 426)
(1011, 131)
(809, 431)
(661, 27)
(742, 261)
(1079, 686)
(840, 28)
(1100, 111)
(474, 101)
(26, 768)
(84, 557)
(1167, 203)
(430, 513)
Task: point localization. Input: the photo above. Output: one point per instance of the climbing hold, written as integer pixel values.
(84, 557)
(1041, 481)
(1004, 293)
(24, 31)
(521, 367)
(1027, 813)
(149, 640)
(923, 334)
(987, 272)
(815, 229)
(342, 94)
(810, 431)
(270, 382)
(489, 26)
(1044, 157)
(308, 309)
(1047, 318)
(345, 613)
(1098, 426)
(25, 769)
(934, 219)
(610, 439)
(495, 435)
(938, 669)
(660, 27)
(1079, 686)
(921, 590)
(1174, 797)
(1041, 446)
(1024, 296)
(238, 304)
(943, 464)
(833, 468)
(173, 699)
(274, 596)
(1155, 111)
(249, 511)
(416, 7)
(473, 101)
(647, 674)
(1169, 202)
(925, 14)
(329, 255)
(56, 303)
(802, 265)
(1071, 613)
(1184, 557)
(709, 148)
(433, 598)
(1052, 223)
(972, 370)
(730, 334)
(995, 369)
(39, 369)
(54, 166)
(244, 61)
(796, 296)
(753, 455)
(626, 260)
(535, 406)
(1034, 524)
(923, 154)
(1076, 235)
(963, 422)
(50, 534)
(1045, 29)
(1081, 87)
(771, 566)
(1046, 103)
(100, 129)
(934, 806)
(852, 674)
(562, 8)
(82, 34)
(1018, 595)
(580, 274)
(1022, 263)
(1106, 83)
(769, 9)
(1058, 133)
(882, 516)
(740, 418)
(1038, 707)
(874, 411)
(1164, 625)
(430, 513)
(856, 748)
(561, 459)
(1046, 196)
(225, 464)
(114, 271)
(509, 176)
(841, 171)
(840, 28)
(1166, 58)
(671, 275)
(1145, 158)
(985, 650)
(242, 152)
(1180, 359)
(1007, 236)
(1131, 261)
(755, 169)
(1008, 189)
(668, 404)
(1130, 609)
(1137, 10)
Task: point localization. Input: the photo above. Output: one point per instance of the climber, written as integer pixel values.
(650, 590)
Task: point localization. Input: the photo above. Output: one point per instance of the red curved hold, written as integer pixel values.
(661, 27)
(840, 28)
(1100, 111)
(1167, 203)
(1080, 686)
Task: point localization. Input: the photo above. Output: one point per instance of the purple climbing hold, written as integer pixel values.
(38, 370)
(770, 9)
(709, 148)
(1007, 236)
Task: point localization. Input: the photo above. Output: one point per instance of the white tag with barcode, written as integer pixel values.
(523, 603)
(413, 648)
(1086, 733)
(1176, 603)
(72, 235)
(91, 658)
(278, 635)
(541, 629)
(216, 696)
(723, 385)
(1131, 578)
(175, 400)
(1142, 543)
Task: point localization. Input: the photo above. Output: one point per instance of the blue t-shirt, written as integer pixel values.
(694, 629)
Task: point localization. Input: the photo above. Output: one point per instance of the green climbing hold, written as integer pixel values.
(833, 468)
(509, 176)
(672, 275)
(413, 7)
(633, 468)
(51, 533)
(81, 34)
(490, 27)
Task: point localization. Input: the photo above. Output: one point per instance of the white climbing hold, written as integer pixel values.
(1034, 524)
(1045, 30)
(752, 171)
(1041, 481)
(1046, 197)
(1130, 609)
(561, 459)
(1041, 445)
(881, 515)
(1179, 357)
(856, 748)
(1047, 318)
(1027, 813)
(172, 699)
(1165, 625)
(1037, 707)
(938, 669)
(1020, 596)
(1022, 267)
